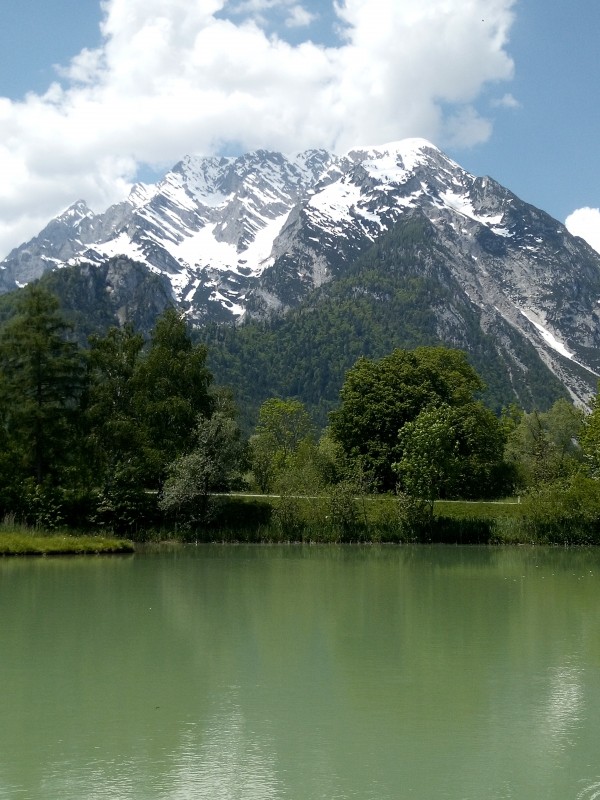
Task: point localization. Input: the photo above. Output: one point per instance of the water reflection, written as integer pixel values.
(591, 792)
(301, 673)
(564, 706)
(231, 761)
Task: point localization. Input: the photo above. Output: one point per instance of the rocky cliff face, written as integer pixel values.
(232, 238)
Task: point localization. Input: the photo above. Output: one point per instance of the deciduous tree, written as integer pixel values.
(282, 426)
(211, 466)
(544, 445)
(380, 397)
(451, 452)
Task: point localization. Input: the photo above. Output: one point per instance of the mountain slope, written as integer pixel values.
(232, 239)
(399, 293)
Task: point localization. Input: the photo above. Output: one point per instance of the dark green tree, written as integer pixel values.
(116, 433)
(41, 382)
(172, 386)
(379, 397)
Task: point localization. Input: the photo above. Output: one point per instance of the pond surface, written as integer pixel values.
(290, 673)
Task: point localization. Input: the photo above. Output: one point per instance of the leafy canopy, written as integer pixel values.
(450, 452)
(379, 397)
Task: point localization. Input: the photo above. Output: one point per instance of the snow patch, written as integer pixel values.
(462, 204)
(548, 337)
(142, 193)
(121, 245)
(386, 157)
(335, 201)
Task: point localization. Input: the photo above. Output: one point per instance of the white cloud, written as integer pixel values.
(506, 101)
(585, 222)
(299, 17)
(175, 77)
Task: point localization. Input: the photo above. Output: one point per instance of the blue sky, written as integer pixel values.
(94, 95)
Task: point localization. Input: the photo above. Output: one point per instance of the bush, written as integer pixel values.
(566, 512)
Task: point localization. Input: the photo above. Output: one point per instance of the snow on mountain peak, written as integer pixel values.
(75, 212)
(142, 193)
(214, 223)
(406, 152)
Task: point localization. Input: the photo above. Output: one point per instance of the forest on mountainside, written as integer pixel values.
(135, 435)
(400, 293)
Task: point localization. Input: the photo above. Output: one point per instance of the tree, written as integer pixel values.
(544, 446)
(41, 382)
(380, 397)
(450, 452)
(115, 432)
(171, 389)
(211, 466)
(282, 426)
(590, 438)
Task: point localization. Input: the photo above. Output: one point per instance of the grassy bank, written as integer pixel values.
(346, 519)
(382, 518)
(24, 543)
(337, 518)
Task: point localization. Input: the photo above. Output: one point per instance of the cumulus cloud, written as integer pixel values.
(585, 222)
(174, 77)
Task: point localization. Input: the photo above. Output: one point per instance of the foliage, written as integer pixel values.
(109, 420)
(123, 504)
(117, 436)
(590, 438)
(210, 467)
(171, 386)
(379, 397)
(452, 452)
(282, 426)
(41, 381)
(544, 446)
(564, 512)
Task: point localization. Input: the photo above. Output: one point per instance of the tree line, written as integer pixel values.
(397, 294)
(129, 434)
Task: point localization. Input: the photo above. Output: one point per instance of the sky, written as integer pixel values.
(96, 94)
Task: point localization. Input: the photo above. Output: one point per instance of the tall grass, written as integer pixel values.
(19, 539)
(382, 519)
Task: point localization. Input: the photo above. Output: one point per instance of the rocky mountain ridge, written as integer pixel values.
(233, 238)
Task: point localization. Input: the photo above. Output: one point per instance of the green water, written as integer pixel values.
(288, 673)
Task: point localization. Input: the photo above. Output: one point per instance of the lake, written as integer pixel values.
(302, 673)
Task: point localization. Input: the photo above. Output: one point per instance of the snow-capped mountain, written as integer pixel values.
(253, 235)
(209, 225)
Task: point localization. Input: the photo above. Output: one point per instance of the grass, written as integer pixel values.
(375, 518)
(369, 519)
(479, 509)
(20, 541)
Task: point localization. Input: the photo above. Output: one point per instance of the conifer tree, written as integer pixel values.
(116, 434)
(41, 381)
(171, 391)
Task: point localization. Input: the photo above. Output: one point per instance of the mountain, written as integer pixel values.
(208, 226)
(264, 236)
